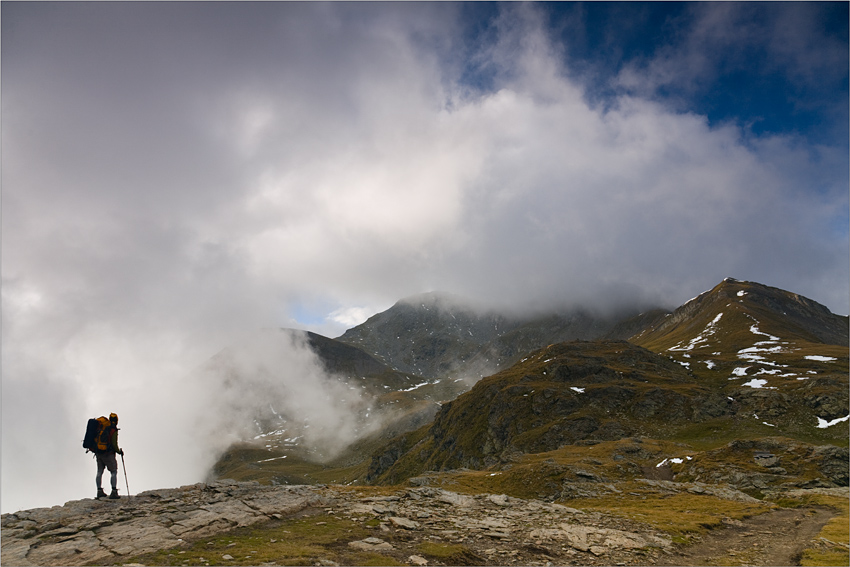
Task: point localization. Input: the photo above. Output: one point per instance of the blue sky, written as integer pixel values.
(176, 175)
(772, 67)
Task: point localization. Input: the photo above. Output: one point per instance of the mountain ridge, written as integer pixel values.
(434, 335)
(736, 379)
(805, 317)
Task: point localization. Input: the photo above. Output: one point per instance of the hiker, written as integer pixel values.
(106, 458)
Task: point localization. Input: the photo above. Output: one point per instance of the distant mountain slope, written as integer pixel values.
(437, 334)
(560, 395)
(340, 358)
(776, 311)
(429, 334)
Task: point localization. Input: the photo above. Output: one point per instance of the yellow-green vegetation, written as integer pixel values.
(299, 541)
(249, 461)
(449, 553)
(245, 462)
(677, 514)
(715, 433)
(531, 475)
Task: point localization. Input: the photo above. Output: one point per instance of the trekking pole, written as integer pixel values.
(127, 484)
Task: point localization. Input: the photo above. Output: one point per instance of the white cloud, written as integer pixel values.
(350, 317)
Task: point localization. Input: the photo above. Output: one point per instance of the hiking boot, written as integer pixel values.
(114, 495)
(100, 493)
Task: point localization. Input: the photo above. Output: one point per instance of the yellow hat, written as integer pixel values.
(113, 417)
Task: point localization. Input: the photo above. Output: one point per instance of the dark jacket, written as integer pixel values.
(113, 440)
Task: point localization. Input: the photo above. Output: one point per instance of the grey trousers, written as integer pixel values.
(107, 461)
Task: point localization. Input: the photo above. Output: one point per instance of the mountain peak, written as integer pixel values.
(427, 334)
(776, 310)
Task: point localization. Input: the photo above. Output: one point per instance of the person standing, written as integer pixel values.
(106, 458)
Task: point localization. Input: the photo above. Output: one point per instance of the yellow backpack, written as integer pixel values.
(97, 435)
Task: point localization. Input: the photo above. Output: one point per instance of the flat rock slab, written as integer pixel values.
(404, 523)
(370, 544)
(92, 531)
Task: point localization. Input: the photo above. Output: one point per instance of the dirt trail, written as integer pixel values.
(774, 538)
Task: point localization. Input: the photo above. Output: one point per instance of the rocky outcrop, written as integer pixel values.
(495, 529)
(98, 531)
(500, 529)
(769, 463)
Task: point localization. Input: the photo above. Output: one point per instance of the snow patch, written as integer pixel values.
(709, 330)
(756, 383)
(578, 390)
(820, 358)
(823, 424)
(755, 330)
(272, 459)
(751, 357)
(675, 460)
(277, 432)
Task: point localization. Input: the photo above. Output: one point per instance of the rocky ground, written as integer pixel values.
(101, 531)
(492, 529)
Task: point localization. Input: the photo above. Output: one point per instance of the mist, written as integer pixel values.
(174, 421)
(271, 379)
